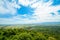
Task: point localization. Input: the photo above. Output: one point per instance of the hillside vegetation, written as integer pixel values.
(30, 33)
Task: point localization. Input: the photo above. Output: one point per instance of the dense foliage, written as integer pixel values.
(30, 33)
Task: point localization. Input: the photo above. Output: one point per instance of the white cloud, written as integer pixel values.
(8, 7)
(41, 13)
(16, 20)
(26, 2)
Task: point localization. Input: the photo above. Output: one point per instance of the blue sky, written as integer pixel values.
(29, 11)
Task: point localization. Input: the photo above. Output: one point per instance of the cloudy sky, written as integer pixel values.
(29, 11)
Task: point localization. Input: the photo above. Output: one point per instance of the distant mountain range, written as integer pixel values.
(44, 23)
(51, 23)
